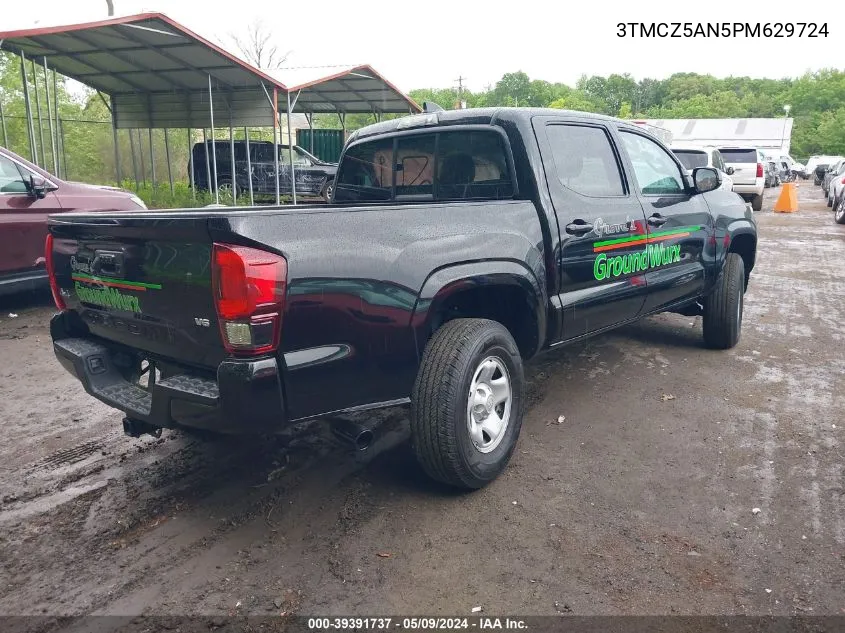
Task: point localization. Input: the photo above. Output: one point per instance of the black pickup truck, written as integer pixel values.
(458, 245)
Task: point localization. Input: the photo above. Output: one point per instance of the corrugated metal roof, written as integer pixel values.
(348, 89)
(157, 72)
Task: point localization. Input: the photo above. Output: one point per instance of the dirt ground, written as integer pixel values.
(637, 503)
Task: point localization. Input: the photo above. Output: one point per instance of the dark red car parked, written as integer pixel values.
(28, 194)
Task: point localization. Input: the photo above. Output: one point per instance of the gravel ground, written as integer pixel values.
(637, 503)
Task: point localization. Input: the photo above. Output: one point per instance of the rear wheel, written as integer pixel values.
(328, 188)
(467, 403)
(723, 308)
(228, 190)
(757, 202)
(839, 210)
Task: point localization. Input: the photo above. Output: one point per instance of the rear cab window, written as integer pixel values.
(691, 158)
(738, 155)
(445, 164)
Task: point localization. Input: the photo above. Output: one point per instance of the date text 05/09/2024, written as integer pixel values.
(721, 29)
(417, 623)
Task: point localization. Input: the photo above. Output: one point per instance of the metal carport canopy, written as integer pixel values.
(157, 73)
(349, 89)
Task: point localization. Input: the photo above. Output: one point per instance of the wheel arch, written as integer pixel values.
(501, 290)
(744, 244)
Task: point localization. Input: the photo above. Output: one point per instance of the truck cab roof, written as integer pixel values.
(474, 116)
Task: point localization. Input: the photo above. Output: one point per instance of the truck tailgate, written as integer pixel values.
(141, 281)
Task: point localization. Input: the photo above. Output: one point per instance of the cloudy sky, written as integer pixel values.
(432, 42)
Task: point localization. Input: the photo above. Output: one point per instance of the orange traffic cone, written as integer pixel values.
(788, 200)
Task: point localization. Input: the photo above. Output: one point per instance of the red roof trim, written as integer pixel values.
(130, 19)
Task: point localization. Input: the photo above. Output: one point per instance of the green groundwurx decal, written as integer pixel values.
(652, 256)
(107, 298)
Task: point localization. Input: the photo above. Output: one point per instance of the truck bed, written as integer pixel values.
(354, 280)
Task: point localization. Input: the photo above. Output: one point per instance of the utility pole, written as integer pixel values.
(460, 104)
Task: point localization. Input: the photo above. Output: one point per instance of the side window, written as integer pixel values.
(415, 165)
(584, 160)
(446, 165)
(299, 159)
(656, 172)
(10, 178)
(472, 165)
(366, 173)
(261, 152)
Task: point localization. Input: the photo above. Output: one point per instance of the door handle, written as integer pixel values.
(578, 227)
(657, 220)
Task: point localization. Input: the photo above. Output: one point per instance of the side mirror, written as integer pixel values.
(37, 187)
(729, 171)
(705, 179)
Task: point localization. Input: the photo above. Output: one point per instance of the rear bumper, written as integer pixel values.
(245, 398)
(750, 190)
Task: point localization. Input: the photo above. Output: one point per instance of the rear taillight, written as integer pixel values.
(759, 170)
(51, 273)
(843, 181)
(249, 295)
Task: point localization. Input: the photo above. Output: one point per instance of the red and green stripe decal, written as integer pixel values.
(115, 283)
(653, 254)
(635, 240)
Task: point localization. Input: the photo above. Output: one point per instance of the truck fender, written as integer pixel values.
(445, 284)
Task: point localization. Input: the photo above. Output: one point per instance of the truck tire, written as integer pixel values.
(723, 308)
(839, 210)
(467, 403)
(757, 202)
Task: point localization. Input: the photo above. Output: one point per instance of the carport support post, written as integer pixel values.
(290, 154)
(191, 167)
(65, 173)
(167, 158)
(232, 155)
(207, 161)
(141, 161)
(38, 112)
(59, 173)
(28, 107)
(249, 167)
(152, 159)
(134, 160)
(50, 119)
(213, 146)
(115, 139)
(276, 139)
(310, 118)
(3, 125)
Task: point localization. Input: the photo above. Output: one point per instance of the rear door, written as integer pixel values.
(744, 162)
(678, 221)
(23, 220)
(600, 286)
